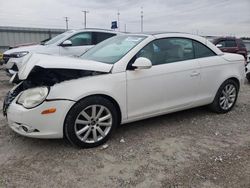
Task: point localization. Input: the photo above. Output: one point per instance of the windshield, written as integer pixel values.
(57, 38)
(112, 50)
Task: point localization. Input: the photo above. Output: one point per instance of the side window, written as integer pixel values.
(81, 39)
(99, 37)
(241, 44)
(231, 43)
(223, 43)
(168, 50)
(201, 50)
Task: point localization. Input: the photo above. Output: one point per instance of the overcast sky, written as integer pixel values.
(205, 17)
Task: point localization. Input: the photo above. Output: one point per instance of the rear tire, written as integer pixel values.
(90, 122)
(226, 97)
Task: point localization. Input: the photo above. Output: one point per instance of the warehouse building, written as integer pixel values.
(14, 36)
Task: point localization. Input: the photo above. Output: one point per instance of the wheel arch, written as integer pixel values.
(234, 78)
(111, 99)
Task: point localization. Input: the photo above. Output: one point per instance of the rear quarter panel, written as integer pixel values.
(217, 69)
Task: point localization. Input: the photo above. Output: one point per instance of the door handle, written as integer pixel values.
(195, 73)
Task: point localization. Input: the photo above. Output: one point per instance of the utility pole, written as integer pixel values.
(118, 19)
(125, 28)
(85, 18)
(66, 20)
(141, 19)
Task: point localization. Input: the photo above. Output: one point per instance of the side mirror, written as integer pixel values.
(66, 43)
(218, 45)
(142, 63)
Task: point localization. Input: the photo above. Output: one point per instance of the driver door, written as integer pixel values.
(171, 83)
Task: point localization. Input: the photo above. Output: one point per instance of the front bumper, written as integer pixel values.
(6, 58)
(31, 123)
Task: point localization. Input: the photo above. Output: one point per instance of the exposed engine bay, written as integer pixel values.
(44, 77)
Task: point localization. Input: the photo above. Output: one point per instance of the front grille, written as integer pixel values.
(14, 68)
(11, 95)
(6, 58)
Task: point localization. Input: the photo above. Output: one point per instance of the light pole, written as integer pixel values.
(66, 20)
(85, 18)
(118, 19)
(141, 19)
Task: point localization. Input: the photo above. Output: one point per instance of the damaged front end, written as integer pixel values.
(48, 77)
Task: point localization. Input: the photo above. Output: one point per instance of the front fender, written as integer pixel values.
(112, 85)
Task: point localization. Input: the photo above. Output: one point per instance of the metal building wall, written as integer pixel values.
(12, 36)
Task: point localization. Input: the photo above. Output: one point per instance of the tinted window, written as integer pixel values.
(57, 38)
(241, 44)
(168, 50)
(223, 44)
(81, 39)
(230, 43)
(201, 50)
(99, 37)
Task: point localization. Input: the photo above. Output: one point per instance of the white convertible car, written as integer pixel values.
(123, 79)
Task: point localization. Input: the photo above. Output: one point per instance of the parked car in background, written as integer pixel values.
(231, 45)
(123, 79)
(70, 43)
(247, 44)
(248, 72)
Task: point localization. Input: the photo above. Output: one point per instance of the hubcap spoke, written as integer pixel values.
(94, 134)
(104, 124)
(224, 93)
(104, 118)
(100, 112)
(225, 104)
(86, 135)
(232, 90)
(82, 130)
(100, 131)
(85, 115)
(222, 102)
(79, 121)
(93, 114)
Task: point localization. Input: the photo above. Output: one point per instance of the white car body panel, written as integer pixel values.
(139, 94)
(102, 84)
(156, 85)
(53, 122)
(45, 61)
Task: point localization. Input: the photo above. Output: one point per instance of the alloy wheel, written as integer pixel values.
(228, 96)
(93, 123)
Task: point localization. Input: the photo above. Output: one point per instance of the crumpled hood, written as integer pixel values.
(60, 62)
(32, 48)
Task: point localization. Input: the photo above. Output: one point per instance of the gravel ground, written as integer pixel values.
(193, 148)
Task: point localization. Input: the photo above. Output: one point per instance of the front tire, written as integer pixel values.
(226, 97)
(248, 76)
(90, 122)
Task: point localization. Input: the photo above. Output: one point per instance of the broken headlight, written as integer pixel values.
(33, 97)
